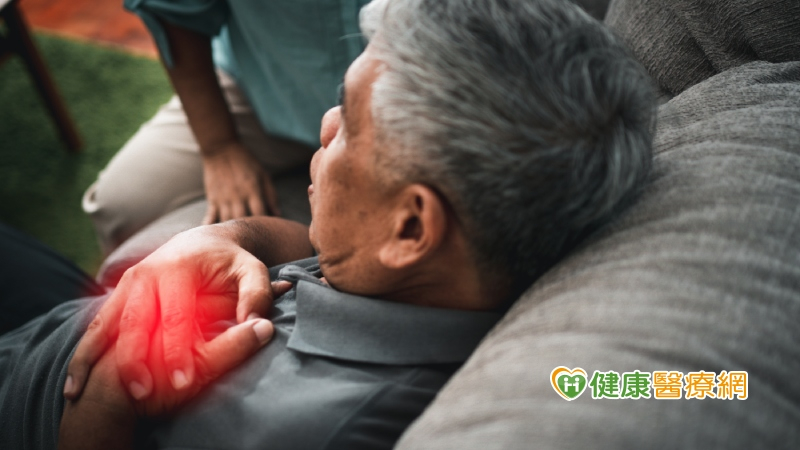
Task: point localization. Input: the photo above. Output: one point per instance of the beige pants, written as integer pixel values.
(159, 169)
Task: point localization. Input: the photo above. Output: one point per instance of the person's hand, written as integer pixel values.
(236, 185)
(198, 277)
(105, 415)
(212, 359)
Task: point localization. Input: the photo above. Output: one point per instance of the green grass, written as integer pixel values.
(109, 94)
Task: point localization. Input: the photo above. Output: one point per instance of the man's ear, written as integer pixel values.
(419, 223)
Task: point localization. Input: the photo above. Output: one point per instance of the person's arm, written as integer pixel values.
(272, 240)
(209, 272)
(104, 417)
(236, 185)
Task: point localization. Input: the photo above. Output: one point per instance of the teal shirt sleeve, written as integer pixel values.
(287, 56)
(203, 16)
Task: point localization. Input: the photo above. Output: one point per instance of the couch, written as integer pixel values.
(701, 274)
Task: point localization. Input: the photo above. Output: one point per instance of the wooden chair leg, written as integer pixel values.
(20, 39)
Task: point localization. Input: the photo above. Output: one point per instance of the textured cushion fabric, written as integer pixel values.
(683, 42)
(595, 8)
(702, 273)
(291, 189)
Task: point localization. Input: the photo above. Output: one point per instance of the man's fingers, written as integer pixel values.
(256, 205)
(211, 308)
(100, 333)
(238, 209)
(280, 287)
(225, 213)
(255, 293)
(136, 325)
(232, 347)
(177, 294)
(91, 347)
(211, 214)
(271, 198)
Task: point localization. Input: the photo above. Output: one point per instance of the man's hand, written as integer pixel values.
(212, 359)
(200, 276)
(236, 185)
(105, 416)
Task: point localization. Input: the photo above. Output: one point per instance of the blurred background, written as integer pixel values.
(104, 66)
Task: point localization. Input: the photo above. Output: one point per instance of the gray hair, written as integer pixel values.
(528, 116)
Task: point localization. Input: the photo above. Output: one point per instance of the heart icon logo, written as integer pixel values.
(569, 383)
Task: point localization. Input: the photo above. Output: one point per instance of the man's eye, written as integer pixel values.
(340, 91)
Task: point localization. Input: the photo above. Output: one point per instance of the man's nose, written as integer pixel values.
(330, 125)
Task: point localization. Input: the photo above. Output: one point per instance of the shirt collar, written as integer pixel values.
(343, 326)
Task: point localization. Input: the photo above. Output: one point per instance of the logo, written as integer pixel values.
(569, 383)
(660, 384)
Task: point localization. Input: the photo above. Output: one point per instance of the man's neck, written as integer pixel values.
(444, 283)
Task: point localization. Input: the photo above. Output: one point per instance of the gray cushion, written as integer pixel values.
(683, 42)
(595, 8)
(292, 191)
(703, 273)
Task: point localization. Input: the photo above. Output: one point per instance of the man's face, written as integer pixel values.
(349, 203)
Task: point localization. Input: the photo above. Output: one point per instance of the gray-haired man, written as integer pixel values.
(477, 143)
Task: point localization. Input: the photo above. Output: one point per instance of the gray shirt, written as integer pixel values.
(342, 371)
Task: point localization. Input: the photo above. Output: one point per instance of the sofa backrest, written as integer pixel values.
(701, 274)
(683, 42)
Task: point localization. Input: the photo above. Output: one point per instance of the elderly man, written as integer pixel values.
(477, 142)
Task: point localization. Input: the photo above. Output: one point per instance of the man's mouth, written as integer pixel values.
(310, 190)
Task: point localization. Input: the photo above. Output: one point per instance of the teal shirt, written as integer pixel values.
(288, 56)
